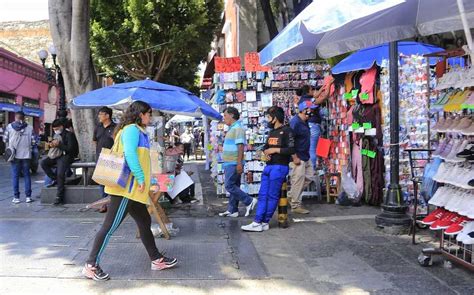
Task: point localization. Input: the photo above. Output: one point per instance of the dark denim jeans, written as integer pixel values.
(21, 165)
(232, 185)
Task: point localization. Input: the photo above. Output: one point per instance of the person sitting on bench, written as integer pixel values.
(70, 149)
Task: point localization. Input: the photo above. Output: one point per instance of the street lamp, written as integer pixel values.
(43, 55)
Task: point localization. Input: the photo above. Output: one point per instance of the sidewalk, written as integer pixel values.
(334, 250)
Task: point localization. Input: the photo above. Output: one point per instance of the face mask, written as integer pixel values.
(270, 124)
(58, 132)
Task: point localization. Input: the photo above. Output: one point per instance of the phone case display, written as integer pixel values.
(338, 130)
(288, 78)
(413, 114)
(249, 93)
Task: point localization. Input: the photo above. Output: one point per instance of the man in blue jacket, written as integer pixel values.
(302, 172)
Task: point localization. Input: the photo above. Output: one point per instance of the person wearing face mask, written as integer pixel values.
(69, 149)
(278, 149)
(302, 172)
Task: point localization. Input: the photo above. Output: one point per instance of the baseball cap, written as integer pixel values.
(306, 105)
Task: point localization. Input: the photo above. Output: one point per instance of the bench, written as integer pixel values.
(85, 166)
(75, 193)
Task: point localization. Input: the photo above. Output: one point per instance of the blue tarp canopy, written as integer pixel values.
(365, 58)
(162, 97)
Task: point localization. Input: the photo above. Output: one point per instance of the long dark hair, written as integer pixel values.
(132, 115)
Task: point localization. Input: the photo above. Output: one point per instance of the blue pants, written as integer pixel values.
(270, 190)
(232, 185)
(21, 165)
(315, 133)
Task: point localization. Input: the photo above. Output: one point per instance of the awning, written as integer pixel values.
(9, 107)
(34, 112)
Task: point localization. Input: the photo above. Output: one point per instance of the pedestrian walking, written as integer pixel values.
(68, 150)
(302, 172)
(18, 138)
(104, 138)
(278, 149)
(233, 157)
(187, 138)
(131, 140)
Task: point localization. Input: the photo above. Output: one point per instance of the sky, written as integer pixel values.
(24, 10)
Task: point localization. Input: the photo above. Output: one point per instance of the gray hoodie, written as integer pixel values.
(24, 133)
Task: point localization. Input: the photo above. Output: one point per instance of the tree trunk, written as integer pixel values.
(69, 24)
(269, 18)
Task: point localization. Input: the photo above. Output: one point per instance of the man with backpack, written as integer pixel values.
(19, 138)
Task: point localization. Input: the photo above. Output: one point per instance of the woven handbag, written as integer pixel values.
(111, 169)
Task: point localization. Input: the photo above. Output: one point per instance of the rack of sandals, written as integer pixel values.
(450, 176)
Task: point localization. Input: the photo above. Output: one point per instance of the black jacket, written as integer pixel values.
(281, 138)
(69, 144)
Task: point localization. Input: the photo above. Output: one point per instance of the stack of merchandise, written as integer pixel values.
(249, 93)
(413, 115)
(455, 199)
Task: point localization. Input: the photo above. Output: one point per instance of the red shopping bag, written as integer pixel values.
(322, 149)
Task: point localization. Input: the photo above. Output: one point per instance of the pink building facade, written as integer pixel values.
(24, 86)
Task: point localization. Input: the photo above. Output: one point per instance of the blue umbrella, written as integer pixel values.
(365, 58)
(162, 97)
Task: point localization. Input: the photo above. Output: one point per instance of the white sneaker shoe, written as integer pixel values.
(254, 226)
(228, 214)
(265, 226)
(29, 200)
(16, 200)
(251, 206)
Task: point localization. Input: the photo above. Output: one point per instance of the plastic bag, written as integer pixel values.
(348, 184)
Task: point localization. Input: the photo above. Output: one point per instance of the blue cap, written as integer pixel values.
(306, 105)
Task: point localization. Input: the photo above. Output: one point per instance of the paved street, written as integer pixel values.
(334, 250)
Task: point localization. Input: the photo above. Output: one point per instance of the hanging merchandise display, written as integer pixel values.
(250, 93)
(413, 116)
(452, 169)
(287, 79)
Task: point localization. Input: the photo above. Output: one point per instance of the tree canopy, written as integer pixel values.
(164, 40)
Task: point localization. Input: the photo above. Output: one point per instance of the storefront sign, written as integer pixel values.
(252, 63)
(227, 65)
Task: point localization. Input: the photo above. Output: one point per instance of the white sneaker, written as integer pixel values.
(265, 226)
(16, 200)
(251, 206)
(29, 200)
(254, 226)
(228, 214)
(463, 234)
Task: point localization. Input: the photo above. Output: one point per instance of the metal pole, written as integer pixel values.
(62, 111)
(393, 208)
(394, 116)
